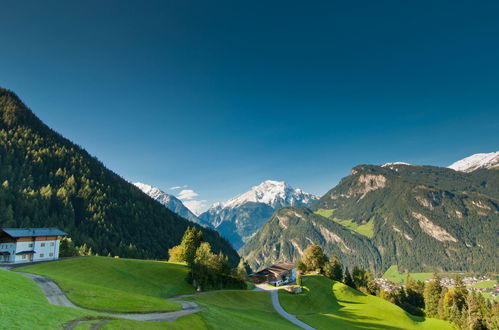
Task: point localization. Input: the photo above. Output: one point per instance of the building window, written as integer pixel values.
(30, 245)
(52, 243)
(24, 256)
(42, 255)
(51, 254)
(42, 245)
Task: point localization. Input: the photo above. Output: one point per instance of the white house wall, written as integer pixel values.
(45, 250)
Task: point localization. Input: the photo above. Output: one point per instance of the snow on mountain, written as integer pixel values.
(395, 163)
(239, 218)
(169, 201)
(477, 161)
(276, 194)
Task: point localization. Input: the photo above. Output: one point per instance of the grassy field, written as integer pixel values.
(223, 310)
(326, 304)
(117, 285)
(366, 229)
(23, 306)
(395, 276)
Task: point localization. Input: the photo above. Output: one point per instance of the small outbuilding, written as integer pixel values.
(276, 275)
(18, 245)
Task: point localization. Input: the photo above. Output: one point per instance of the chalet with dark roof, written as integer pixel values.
(19, 245)
(276, 275)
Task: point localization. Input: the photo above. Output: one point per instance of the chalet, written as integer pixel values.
(276, 275)
(29, 244)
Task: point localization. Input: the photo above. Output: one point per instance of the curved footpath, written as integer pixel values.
(286, 315)
(274, 293)
(55, 296)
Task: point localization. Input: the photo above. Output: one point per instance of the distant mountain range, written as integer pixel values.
(422, 218)
(48, 181)
(241, 217)
(477, 161)
(169, 201)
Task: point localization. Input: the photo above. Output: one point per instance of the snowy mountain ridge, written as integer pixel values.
(276, 194)
(239, 218)
(477, 161)
(169, 201)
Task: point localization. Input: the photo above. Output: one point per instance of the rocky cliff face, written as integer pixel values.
(239, 218)
(419, 217)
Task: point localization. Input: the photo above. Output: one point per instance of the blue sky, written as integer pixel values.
(221, 95)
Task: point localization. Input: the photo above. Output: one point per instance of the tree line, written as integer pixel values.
(208, 270)
(48, 181)
(464, 309)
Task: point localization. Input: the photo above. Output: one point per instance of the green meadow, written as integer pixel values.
(23, 306)
(117, 285)
(366, 229)
(326, 304)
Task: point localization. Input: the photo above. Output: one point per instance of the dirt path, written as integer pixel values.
(56, 296)
(286, 315)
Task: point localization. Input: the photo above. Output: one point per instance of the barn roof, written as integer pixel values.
(275, 269)
(33, 232)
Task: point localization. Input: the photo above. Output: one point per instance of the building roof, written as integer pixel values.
(276, 269)
(25, 252)
(33, 232)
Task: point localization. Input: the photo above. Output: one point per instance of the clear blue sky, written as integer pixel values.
(220, 95)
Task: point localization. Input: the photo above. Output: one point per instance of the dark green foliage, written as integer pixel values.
(46, 180)
(348, 279)
(432, 295)
(293, 227)
(211, 271)
(337, 270)
(314, 259)
(67, 248)
(424, 219)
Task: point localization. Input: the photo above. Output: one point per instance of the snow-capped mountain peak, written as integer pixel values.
(169, 201)
(273, 193)
(477, 161)
(240, 217)
(395, 163)
(153, 192)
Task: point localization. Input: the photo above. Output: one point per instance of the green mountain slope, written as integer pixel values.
(46, 180)
(326, 304)
(117, 285)
(25, 307)
(421, 218)
(291, 229)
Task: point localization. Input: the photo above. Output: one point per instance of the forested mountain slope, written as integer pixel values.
(239, 218)
(46, 180)
(418, 217)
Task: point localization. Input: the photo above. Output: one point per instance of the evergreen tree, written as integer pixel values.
(337, 270)
(432, 292)
(348, 279)
(241, 270)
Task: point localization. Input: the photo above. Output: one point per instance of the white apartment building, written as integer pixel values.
(29, 244)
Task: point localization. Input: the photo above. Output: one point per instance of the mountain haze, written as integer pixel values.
(242, 216)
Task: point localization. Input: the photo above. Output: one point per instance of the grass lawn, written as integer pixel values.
(117, 285)
(327, 304)
(23, 306)
(395, 276)
(223, 310)
(484, 284)
(366, 229)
